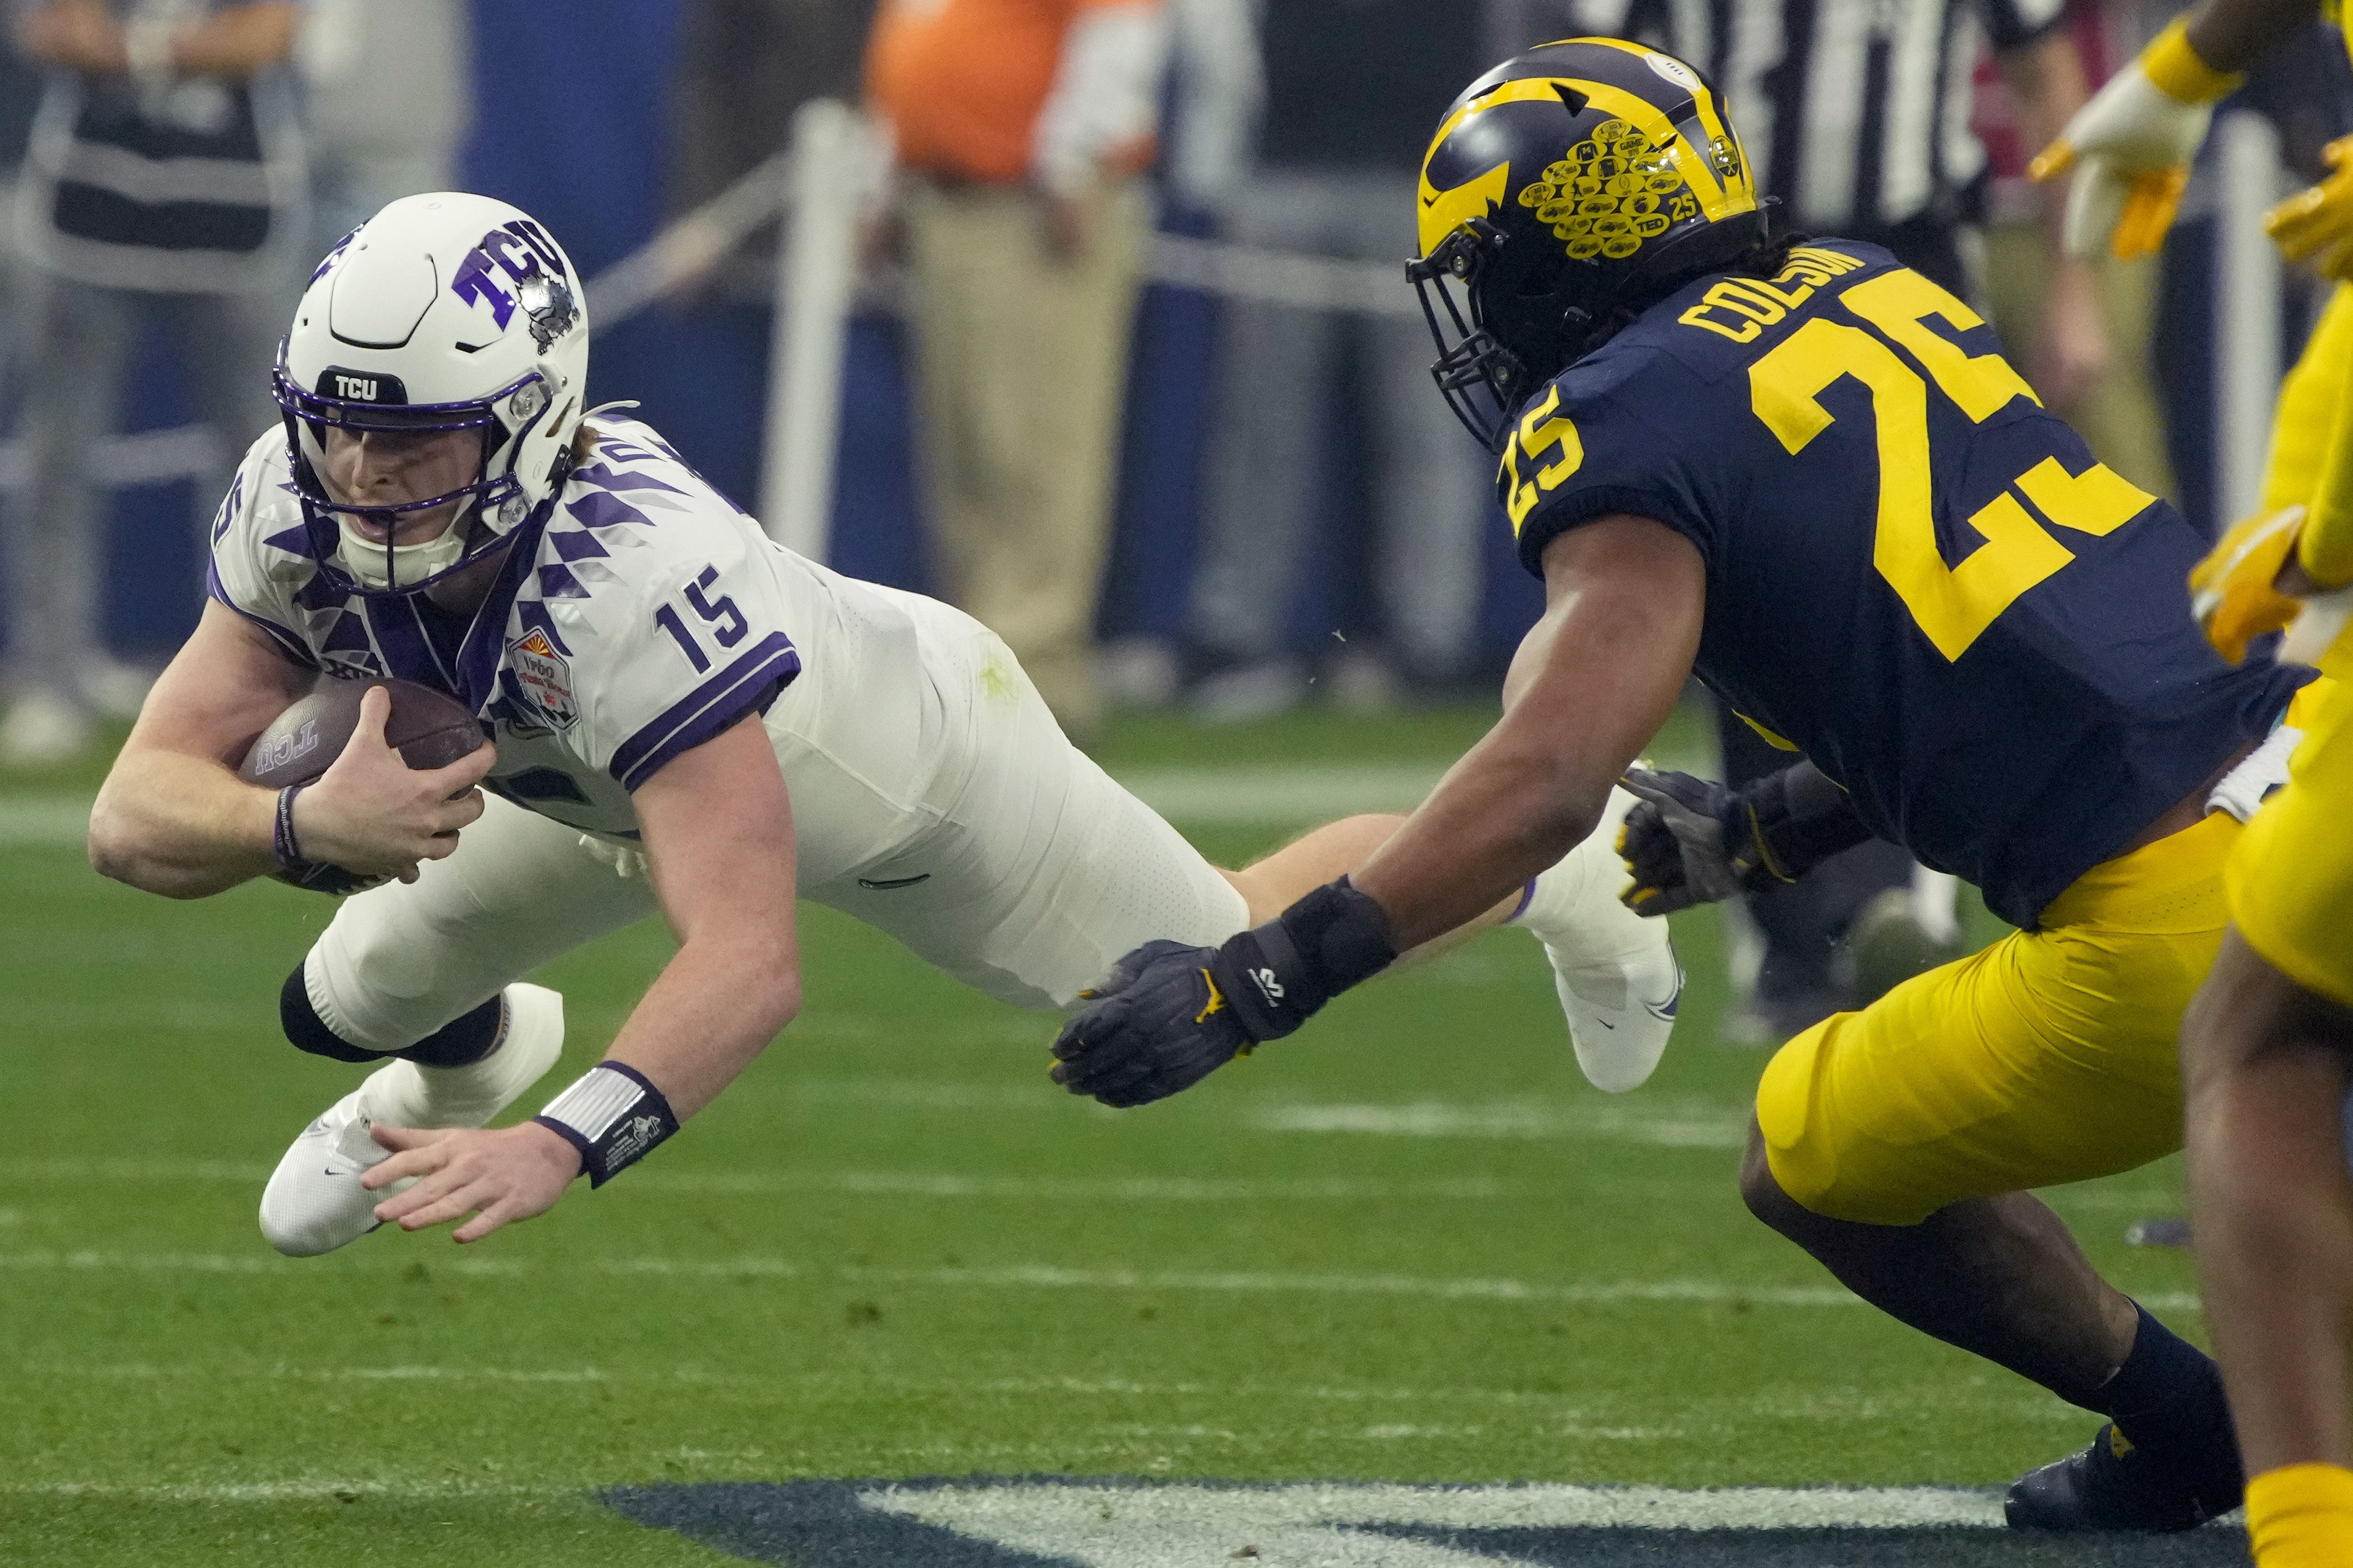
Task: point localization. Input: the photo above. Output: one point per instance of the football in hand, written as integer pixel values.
(428, 729)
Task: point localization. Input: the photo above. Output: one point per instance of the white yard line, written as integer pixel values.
(865, 1184)
(1282, 792)
(1014, 1276)
(44, 821)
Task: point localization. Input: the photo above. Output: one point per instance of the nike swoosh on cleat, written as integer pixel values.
(1607, 1025)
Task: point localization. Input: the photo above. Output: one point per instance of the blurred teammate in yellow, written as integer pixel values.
(2267, 1049)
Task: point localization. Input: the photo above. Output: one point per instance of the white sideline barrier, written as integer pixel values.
(2247, 297)
(815, 284)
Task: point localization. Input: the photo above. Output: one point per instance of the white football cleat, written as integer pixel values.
(1614, 971)
(314, 1202)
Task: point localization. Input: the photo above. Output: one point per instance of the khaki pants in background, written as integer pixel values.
(1020, 371)
(2119, 418)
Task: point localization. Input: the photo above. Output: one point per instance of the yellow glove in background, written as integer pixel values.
(2315, 225)
(2232, 591)
(2131, 145)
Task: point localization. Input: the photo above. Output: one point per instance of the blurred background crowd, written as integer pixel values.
(1128, 365)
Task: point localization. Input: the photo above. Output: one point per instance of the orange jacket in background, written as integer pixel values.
(961, 82)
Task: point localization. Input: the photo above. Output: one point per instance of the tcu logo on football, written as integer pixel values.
(287, 748)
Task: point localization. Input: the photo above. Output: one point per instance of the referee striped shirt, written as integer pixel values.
(1856, 111)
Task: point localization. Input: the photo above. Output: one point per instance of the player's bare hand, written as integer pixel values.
(373, 814)
(515, 1173)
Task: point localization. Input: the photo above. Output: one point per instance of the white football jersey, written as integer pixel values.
(638, 614)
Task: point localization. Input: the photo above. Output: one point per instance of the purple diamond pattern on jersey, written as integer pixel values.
(574, 564)
(558, 583)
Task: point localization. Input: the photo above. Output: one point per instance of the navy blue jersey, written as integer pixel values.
(1916, 574)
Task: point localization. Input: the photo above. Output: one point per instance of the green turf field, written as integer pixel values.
(1409, 1245)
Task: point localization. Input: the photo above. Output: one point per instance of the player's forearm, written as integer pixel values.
(1592, 683)
(2273, 1214)
(237, 42)
(2234, 35)
(716, 1005)
(184, 827)
(1514, 805)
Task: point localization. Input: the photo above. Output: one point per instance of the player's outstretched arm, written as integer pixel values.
(173, 818)
(1589, 687)
(718, 831)
(2265, 1064)
(1592, 682)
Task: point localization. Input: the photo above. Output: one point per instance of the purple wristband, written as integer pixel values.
(282, 845)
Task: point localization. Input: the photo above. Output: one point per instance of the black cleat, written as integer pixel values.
(2111, 1484)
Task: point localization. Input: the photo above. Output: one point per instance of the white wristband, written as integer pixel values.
(613, 1116)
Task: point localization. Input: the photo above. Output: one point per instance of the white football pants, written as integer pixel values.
(1038, 876)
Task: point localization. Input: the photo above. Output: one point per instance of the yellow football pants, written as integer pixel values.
(2047, 1058)
(2290, 881)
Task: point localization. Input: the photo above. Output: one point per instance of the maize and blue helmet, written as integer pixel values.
(1566, 187)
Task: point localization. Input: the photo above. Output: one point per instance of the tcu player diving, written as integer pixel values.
(686, 716)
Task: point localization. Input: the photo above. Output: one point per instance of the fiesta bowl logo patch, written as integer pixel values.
(546, 678)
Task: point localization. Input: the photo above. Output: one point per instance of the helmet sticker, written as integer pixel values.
(1673, 70)
(522, 250)
(1611, 194)
(547, 301)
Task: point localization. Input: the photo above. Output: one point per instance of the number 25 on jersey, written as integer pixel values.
(1952, 604)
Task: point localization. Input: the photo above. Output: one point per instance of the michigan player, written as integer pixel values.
(2268, 1055)
(2267, 1051)
(1807, 475)
(687, 718)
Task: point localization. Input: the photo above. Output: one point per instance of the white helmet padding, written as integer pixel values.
(444, 311)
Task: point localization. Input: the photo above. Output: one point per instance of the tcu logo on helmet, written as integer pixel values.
(522, 251)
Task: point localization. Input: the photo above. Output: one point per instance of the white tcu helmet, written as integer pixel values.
(444, 311)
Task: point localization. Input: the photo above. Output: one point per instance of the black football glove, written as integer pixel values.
(1168, 1015)
(1157, 1024)
(1693, 842)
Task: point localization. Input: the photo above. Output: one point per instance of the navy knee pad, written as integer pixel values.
(466, 1038)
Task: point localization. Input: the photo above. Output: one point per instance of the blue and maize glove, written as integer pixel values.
(1693, 842)
(1168, 1015)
